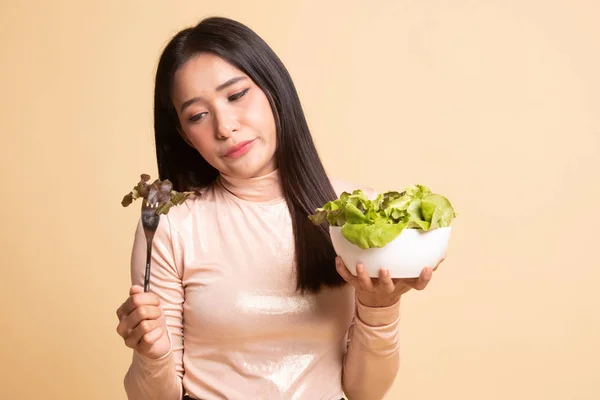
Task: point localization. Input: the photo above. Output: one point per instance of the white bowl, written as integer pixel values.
(404, 257)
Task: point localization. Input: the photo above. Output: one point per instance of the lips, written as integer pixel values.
(239, 149)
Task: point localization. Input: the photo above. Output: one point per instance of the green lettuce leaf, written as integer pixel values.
(437, 210)
(373, 223)
(377, 234)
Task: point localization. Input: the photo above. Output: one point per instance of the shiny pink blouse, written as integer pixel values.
(223, 268)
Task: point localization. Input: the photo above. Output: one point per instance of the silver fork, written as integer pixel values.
(150, 220)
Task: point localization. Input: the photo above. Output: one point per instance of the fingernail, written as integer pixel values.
(337, 261)
(360, 268)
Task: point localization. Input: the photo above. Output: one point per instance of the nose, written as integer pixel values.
(226, 124)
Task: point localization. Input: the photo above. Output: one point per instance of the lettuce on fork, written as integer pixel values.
(374, 223)
(159, 194)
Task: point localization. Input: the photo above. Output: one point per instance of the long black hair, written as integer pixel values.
(304, 181)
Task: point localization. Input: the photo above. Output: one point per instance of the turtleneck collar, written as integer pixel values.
(264, 188)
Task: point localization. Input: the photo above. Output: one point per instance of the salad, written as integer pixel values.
(159, 194)
(374, 223)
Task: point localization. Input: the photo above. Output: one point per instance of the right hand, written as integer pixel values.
(142, 324)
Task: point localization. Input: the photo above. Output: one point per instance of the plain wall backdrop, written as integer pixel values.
(495, 104)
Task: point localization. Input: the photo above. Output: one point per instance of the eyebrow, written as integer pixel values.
(219, 88)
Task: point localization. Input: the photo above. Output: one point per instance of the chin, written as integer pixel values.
(249, 167)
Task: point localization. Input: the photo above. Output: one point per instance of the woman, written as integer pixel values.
(248, 299)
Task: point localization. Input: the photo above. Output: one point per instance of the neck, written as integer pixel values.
(258, 189)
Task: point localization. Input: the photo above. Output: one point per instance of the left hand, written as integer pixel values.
(383, 291)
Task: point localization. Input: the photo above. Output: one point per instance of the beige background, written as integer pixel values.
(492, 103)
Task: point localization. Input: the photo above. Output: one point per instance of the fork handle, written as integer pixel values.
(147, 274)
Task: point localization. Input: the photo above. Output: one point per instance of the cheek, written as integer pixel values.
(204, 146)
(264, 121)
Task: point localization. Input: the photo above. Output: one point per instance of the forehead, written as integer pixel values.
(201, 75)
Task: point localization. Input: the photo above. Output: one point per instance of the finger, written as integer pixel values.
(438, 264)
(423, 279)
(135, 289)
(136, 317)
(136, 335)
(137, 300)
(385, 280)
(149, 339)
(344, 272)
(123, 311)
(120, 312)
(364, 279)
(144, 313)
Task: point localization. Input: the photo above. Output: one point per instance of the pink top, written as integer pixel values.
(223, 269)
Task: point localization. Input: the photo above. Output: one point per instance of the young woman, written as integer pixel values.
(248, 299)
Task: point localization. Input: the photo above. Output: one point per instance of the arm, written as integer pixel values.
(160, 378)
(372, 358)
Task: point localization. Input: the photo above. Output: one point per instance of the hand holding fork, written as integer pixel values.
(141, 320)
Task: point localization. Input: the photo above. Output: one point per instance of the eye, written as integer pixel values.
(238, 95)
(197, 117)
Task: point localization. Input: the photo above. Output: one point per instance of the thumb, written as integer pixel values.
(135, 289)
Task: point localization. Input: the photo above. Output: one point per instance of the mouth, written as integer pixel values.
(239, 149)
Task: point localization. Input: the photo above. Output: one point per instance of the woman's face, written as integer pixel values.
(225, 116)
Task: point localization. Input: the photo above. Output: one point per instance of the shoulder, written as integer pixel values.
(343, 185)
(184, 214)
(188, 206)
